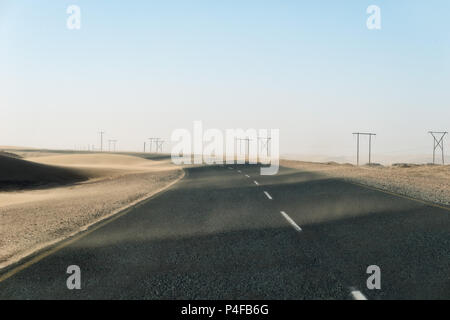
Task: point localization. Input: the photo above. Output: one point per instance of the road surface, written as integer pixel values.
(225, 232)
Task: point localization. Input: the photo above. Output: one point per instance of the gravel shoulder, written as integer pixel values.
(424, 182)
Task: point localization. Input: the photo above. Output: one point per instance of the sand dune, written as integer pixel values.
(54, 169)
(15, 148)
(103, 165)
(10, 155)
(32, 219)
(18, 174)
(92, 159)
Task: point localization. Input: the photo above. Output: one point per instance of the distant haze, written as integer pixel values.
(140, 69)
(377, 158)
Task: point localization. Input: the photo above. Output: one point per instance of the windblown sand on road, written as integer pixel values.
(430, 183)
(33, 219)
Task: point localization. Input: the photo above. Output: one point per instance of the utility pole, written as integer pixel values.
(235, 149)
(150, 145)
(265, 144)
(240, 143)
(240, 146)
(240, 149)
(114, 145)
(248, 147)
(101, 140)
(370, 145)
(159, 144)
(438, 142)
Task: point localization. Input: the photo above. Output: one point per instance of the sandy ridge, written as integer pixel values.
(31, 220)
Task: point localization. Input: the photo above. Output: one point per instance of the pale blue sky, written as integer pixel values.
(143, 68)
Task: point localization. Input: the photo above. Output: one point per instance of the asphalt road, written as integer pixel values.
(219, 235)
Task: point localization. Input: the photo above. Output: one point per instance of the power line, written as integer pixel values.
(159, 144)
(370, 145)
(248, 147)
(150, 144)
(109, 145)
(264, 144)
(438, 142)
(101, 140)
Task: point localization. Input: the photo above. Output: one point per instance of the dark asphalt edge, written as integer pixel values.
(42, 253)
(400, 195)
(392, 193)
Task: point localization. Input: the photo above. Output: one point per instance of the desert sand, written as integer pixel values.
(430, 183)
(70, 192)
(17, 173)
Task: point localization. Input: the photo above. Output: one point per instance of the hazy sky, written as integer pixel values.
(138, 69)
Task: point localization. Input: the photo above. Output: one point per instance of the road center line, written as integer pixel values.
(292, 222)
(357, 295)
(256, 182)
(267, 195)
(247, 176)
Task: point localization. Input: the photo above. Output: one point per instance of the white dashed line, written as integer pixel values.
(247, 176)
(256, 182)
(357, 295)
(239, 171)
(267, 195)
(292, 222)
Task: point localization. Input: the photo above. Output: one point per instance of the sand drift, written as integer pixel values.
(48, 198)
